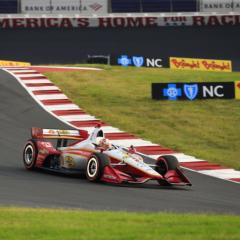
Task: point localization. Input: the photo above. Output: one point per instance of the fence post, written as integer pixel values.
(109, 2)
(19, 6)
(140, 6)
(171, 6)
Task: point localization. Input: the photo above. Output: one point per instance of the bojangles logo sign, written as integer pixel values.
(200, 64)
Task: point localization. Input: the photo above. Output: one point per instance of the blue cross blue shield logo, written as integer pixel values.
(124, 61)
(172, 92)
(138, 61)
(190, 90)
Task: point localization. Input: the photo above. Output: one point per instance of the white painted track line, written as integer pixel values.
(180, 156)
(43, 88)
(106, 129)
(222, 173)
(82, 117)
(62, 107)
(134, 142)
(73, 68)
(30, 75)
(35, 81)
(51, 96)
(25, 70)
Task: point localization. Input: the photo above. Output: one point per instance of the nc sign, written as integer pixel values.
(192, 91)
(139, 61)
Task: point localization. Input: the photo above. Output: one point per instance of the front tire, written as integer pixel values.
(30, 155)
(164, 164)
(95, 166)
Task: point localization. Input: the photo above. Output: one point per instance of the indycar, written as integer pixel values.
(92, 155)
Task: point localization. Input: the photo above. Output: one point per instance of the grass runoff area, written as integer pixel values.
(43, 224)
(121, 96)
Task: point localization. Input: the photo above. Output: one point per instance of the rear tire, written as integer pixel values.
(95, 166)
(30, 155)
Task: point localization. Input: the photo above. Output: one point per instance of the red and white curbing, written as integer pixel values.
(54, 101)
(43, 69)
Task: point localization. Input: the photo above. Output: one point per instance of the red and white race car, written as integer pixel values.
(77, 152)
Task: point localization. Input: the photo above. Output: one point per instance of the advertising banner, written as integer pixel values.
(192, 91)
(87, 7)
(200, 64)
(108, 22)
(4, 63)
(237, 89)
(220, 6)
(138, 61)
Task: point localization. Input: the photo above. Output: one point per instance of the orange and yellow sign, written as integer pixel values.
(4, 63)
(237, 89)
(200, 64)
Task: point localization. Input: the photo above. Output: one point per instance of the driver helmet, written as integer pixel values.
(103, 143)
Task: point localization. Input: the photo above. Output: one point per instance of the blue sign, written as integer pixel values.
(172, 92)
(138, 61)
(124, 61)
(190, 90)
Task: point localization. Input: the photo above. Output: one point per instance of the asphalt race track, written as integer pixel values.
(18, 187)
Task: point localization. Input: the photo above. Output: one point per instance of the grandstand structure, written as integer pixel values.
(161, 29)
(135, 7)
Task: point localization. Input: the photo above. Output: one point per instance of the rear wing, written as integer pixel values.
(40, 133)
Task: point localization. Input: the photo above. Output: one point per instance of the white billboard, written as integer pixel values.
(220, 5)
(86, 7)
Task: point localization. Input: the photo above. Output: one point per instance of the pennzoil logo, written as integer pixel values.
(63, 132)
(125, 155)
(68, 160)
(51, 132)
(43, 152)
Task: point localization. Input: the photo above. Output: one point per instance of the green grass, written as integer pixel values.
(207, 129)
(43, 224)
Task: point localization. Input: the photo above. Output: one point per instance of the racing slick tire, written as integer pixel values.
(164, 164)
(30, 155)
(95, 166)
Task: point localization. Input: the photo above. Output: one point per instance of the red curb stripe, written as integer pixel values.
(149, 148)
(154, 150)
(90, 123)
(56, 101)
(43, 92)
(12, 69)
(26, 73)
(199, 166)
(116, 136)
(235, 179)
(53, 69)
(159, 152)
(39, 84)
(68, 112)
(33, 78)
(209, 167)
